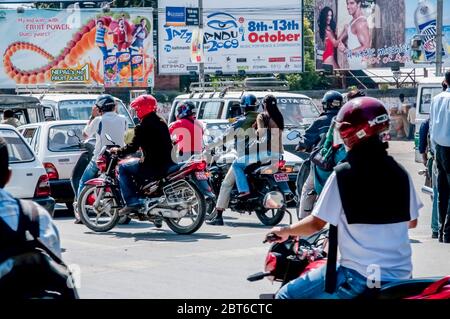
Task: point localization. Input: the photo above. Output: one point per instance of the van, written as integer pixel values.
(70, 101)
(221, 101)
(427, 89)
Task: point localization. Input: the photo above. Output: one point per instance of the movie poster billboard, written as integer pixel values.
(362, 34)
(114, 49)
(251, 36)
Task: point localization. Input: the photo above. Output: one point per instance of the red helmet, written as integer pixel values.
(143, 105)
(360, 119)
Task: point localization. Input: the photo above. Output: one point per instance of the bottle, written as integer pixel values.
(425, 21)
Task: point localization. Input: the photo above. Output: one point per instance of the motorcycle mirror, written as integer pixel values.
(273, 200)
(71, 133)
(293, 135)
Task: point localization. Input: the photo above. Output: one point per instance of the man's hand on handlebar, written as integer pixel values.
(277, 235)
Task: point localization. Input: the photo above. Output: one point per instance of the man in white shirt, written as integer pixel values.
(440, 143)
(104, 120)
(370, 222)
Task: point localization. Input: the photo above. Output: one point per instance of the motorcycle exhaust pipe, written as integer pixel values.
(258, 276)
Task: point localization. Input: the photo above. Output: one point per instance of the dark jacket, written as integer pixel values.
(317, 129)
(423, 136)
(152, 135)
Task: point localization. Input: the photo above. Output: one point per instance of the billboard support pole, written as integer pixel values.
(440, 10)
(201, 73)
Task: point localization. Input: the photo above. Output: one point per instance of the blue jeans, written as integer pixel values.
(90, 172)
(127, 185)
(349, 285)
(104, 50)
(242, 162)
(434, 212)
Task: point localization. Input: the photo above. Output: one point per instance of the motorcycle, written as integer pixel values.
(262, 177)
(297, 256)
(88, 147)
(174, 199)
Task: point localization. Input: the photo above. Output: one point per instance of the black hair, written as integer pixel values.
(4, 162)
(447, 78)
(444, 86)
(8, 114)
(401, 97)
(270, 103)
(323, 22)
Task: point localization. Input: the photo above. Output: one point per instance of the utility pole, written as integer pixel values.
(201, 73)
(440, 10)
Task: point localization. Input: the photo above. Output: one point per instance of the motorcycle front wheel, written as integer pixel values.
(95, 207)
(194, 219)
(270, 217)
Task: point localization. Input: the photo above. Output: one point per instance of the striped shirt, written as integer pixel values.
(100, 35)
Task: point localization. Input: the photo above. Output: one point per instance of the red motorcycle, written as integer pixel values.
(296, 256)
(176, 199)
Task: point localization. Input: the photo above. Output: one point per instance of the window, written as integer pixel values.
(210, 110)
(426, 97)
(59, 141)
(18, 150)
(82, 109)
(28, 134)
(294, 110)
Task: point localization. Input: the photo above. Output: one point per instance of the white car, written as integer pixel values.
(58, 152)
(29, 179)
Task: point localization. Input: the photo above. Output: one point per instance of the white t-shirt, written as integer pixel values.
(113, 124)
(365, 248)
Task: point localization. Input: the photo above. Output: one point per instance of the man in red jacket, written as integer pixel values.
(187, 132)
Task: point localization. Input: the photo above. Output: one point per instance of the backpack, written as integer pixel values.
(30, 269)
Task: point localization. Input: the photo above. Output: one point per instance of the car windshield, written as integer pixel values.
(296, 110)
(82, 109)
(59, 141)
(18, 151)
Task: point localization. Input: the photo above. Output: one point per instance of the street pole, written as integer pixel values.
(201, 73)
(440, 10)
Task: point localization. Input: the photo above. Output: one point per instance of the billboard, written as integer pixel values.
(250, 36)
(363, 34)
(113, 49)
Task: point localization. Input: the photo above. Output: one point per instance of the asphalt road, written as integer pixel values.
(140, 261)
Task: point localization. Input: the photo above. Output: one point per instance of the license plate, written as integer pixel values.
(201, 176)
(281, 177)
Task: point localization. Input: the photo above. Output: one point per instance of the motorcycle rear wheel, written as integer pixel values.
(90, 216)
(270, 217)
(197, 214)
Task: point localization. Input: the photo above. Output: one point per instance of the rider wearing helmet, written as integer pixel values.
(187, 131)
(331, 103)
(242, 132)
(353, 94)
(152, 136)
(369, 202)
(104, 120)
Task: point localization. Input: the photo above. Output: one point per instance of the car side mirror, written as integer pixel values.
(293, 135)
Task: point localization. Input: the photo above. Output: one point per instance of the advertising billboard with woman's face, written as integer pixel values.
(362, 34)
(113, 49)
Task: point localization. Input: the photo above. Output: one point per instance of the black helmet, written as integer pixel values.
(332, 100)
(249, 102)
(105, 103)
(185, 109)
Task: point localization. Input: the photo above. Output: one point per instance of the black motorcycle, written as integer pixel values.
(263, 178)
